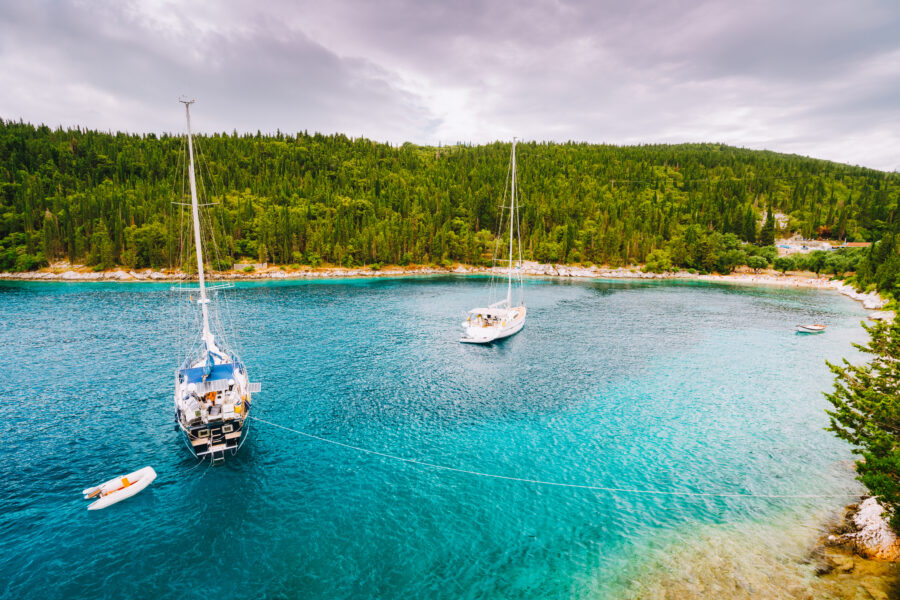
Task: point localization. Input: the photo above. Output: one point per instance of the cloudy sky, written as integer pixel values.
(817, 77)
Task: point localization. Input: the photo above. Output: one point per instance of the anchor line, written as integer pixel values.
(562, 484)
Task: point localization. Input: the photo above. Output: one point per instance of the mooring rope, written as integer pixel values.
(598, 488)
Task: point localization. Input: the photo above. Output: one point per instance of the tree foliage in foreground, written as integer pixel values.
(106, 199)
(879, 267)
(866, 413)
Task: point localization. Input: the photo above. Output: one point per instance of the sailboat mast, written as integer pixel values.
(512, 224)
(195, 212)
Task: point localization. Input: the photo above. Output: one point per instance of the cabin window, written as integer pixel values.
(203, 433)
(227, 429)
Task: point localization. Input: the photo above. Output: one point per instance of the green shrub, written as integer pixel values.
(784, 264)
(28, 262)
(757, 262)
(658, 261)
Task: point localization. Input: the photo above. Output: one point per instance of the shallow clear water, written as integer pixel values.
(662, 386)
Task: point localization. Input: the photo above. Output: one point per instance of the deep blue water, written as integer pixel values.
(663, 386)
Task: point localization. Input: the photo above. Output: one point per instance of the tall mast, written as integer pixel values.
(195, 211)
(512, 222)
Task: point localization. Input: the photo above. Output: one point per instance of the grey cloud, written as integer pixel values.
(259, 75)
(816, 78)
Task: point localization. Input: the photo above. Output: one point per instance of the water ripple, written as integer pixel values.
(652, 386)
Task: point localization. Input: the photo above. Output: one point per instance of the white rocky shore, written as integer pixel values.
(67, 272)
(871, 536)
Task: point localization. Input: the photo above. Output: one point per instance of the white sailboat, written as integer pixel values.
(212, 389)
(503, 318)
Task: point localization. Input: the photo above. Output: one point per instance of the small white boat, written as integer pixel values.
(810, 328)
(119, 488)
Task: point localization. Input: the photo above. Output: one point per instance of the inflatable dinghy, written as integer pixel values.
(119, 488)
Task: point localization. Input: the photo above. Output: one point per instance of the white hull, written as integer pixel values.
(119, 488)
(810, 328)
(480, 334)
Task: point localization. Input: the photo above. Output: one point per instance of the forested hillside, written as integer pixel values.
(105, 199)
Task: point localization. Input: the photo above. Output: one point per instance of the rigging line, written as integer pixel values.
(519, 235)
(223, 312)
(598, 488)
(199, 463)
(208, 467)
(210, 221)
(182, 314)
(491, 288)
(207, 223)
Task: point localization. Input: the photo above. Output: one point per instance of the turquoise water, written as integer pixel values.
(665, 386)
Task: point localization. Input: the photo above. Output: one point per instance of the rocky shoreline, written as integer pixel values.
(79, 273)
(865, 532)
(860, 556)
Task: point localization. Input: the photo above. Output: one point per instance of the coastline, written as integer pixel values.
(64, 272)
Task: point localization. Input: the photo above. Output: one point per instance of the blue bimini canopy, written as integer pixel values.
(224, 371)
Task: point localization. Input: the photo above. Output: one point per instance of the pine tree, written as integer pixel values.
(866, 413)
(750, 226)
(767, 235)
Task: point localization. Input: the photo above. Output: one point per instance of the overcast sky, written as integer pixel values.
(817, 78)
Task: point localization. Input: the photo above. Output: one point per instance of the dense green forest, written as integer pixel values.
(104, 199)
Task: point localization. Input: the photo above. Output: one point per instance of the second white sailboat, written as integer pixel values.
(503, 318)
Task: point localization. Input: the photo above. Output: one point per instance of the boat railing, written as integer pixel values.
(210, 288)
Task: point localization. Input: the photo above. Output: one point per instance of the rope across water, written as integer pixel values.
(598, 488)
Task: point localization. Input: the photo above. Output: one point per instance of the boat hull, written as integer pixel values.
(119, 488)
(810, 329)
(216, 438)
(486, 335)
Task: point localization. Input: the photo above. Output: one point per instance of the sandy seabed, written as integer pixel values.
(786, 559)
